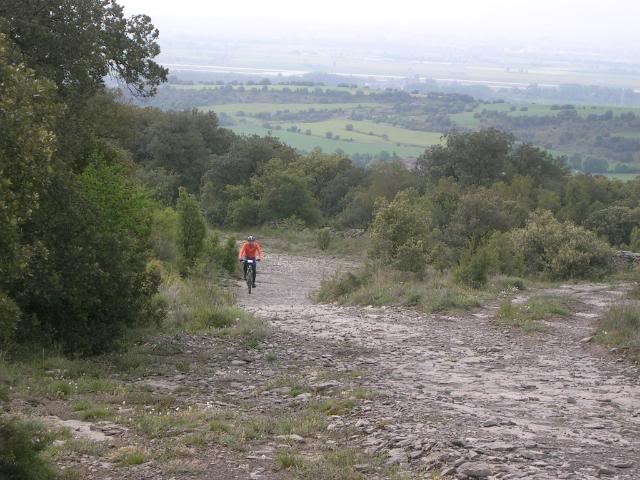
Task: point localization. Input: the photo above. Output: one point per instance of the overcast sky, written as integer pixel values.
(569, 23)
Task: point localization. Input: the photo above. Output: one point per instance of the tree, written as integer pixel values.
(85, 284)
(191, 229)
(28, 111)
(331, 177)
(527, 160)
(78, 43)
(283, 191)
(615, 223)
(470, 158)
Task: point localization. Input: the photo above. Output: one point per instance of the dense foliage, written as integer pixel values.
(76, 226)
(20, 446)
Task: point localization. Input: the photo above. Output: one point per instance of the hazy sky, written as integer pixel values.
(588, 23)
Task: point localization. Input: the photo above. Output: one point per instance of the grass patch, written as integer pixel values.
(333, 406)
(248, 329)
(621, 328)
(360, 393)
(130, 456)
(377, 286)
(304, 423)
(527, 315)
(336, 465)
(79, 446)
(287, 459)
(90, 412)
(169, 424)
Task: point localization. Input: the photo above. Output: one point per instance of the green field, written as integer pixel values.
(369, 132)
(252, 108)
(367, 137)
(309, 142)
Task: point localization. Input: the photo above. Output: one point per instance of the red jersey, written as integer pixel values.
(251, 251)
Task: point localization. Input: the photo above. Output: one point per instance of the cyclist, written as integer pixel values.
(250, 250)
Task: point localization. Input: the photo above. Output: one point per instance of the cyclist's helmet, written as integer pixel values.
(251, 238)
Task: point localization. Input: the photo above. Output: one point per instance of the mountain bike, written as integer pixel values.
(249, 277)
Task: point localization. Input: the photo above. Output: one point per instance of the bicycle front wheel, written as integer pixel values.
(249, 278)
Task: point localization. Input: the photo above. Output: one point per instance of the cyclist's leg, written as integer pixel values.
(244, 269)
(255, 271)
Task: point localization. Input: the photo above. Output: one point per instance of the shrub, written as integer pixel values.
(20, 446)
(85, 285)
(164, 234)
(224, 256)
(229, 260)
(411, 257)
(473, 268)
(399, 229)
(561, 250)
(323, 238)
(338, 287)
(504, 257)
(191, 230)
(9, 317)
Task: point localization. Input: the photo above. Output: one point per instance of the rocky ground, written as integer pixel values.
(467, 396)
(358, 392)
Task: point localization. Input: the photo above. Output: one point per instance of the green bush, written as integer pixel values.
(323, 238)
(473, 268)
(191, 230)
(561, 250)
(399, 229)
(164, 232)
(224, 256)
(85, 285)
(20, 446)
(9, 317)
(505, 258)
(411, 257)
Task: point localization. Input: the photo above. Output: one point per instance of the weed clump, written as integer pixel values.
(621, 328)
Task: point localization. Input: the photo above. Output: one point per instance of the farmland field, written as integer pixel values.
(374, 123)
(307, 143)
(234, 108)
(365, 137)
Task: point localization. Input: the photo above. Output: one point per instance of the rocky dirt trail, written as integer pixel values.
(460, 394)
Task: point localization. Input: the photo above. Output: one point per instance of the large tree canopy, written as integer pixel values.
(77, 43)
(27, 112)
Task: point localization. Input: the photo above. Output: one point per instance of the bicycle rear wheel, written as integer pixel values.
(249, 277)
